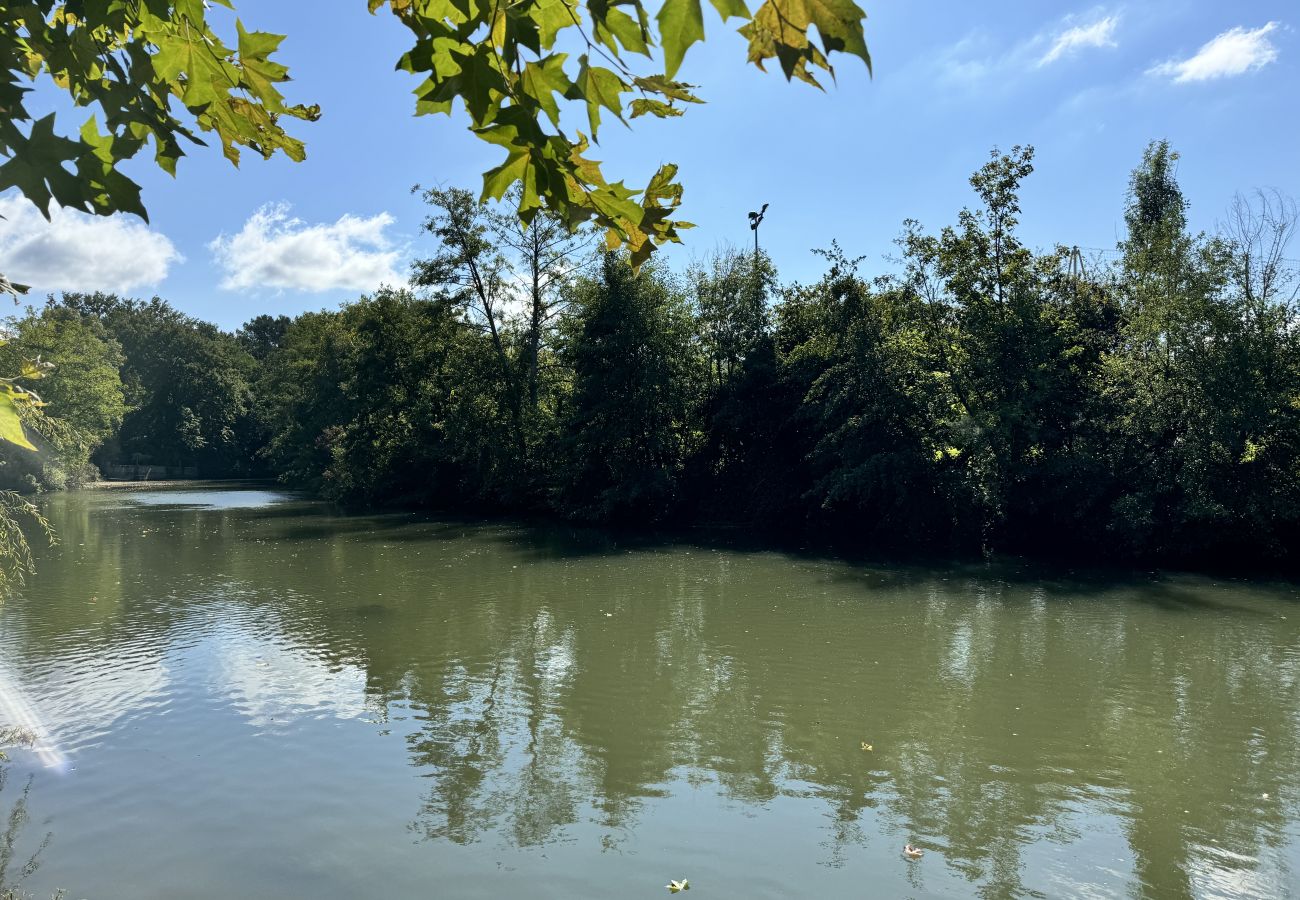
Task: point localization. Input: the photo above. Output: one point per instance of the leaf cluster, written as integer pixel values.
(151, 71)
(512, 65)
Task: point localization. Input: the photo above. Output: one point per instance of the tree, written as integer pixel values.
(470, 273)
(735, 469)
(546, 258)
(262, 335)
(1206, 377)
(186, 383)
(630, 425)
(870, 394)
(1019, 342)
(82, 383)
(731, 293)
(392, 399)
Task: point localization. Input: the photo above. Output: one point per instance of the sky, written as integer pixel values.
(1087, 86)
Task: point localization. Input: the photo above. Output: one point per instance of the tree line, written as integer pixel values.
(983, 395)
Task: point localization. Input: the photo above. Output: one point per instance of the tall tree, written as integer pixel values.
(636, 376)
(545, 258)
(1003, 332)
(1205, 377)
(874, 464)
(82, 381)
(470, 272)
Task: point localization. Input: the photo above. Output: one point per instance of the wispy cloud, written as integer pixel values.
(981, 56)
(78, 252)
(1100, 33)
(966, 61)
(1235, 52)
(276, 250)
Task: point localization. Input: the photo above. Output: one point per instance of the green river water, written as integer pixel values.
(240, 694)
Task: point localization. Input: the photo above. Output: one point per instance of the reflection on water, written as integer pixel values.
(226, 499)
(260, 699)
(21, 724)
(18, 860)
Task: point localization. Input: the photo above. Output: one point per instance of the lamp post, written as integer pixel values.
(756, 219)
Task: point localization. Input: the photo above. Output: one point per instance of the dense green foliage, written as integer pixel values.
(984, 395)
(981, 396)
(83, 381)
(161, 72)
(140, 383)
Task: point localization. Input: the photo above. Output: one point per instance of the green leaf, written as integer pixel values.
(780, 29)
(258, 74)
(498, 180)
(681, 24)
(185, 58)
(425, 106)
(673, 90)
(36, 168)
(839, 22)
(627, 30)
(543, 79)
(551, 17)
(731, 9)
(662, 187)
(11, 426)
(600, 87)
(475, 84)
(109, 190)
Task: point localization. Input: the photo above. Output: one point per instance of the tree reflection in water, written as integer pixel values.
(991, 742)
(1035, 734)
(16, 864)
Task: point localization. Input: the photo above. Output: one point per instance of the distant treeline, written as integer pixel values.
(982, 396)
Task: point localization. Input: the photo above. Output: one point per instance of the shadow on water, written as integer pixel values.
(548, 540)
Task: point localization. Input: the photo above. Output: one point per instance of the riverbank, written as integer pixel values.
(184, 483)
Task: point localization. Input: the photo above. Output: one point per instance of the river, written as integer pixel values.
(240, 693)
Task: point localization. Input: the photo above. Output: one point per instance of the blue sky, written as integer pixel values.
(1088, 86)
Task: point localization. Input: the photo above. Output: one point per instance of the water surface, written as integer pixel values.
(251, 697)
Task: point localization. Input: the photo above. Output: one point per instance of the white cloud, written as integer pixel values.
(78, 252)
(981, 59)
(276, 250)
(1234, 52)
(1100, 33)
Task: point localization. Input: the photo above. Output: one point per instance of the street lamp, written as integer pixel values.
(756, 219)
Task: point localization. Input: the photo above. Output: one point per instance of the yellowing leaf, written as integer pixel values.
(11, 426)
(642, 106)
(780, 29)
